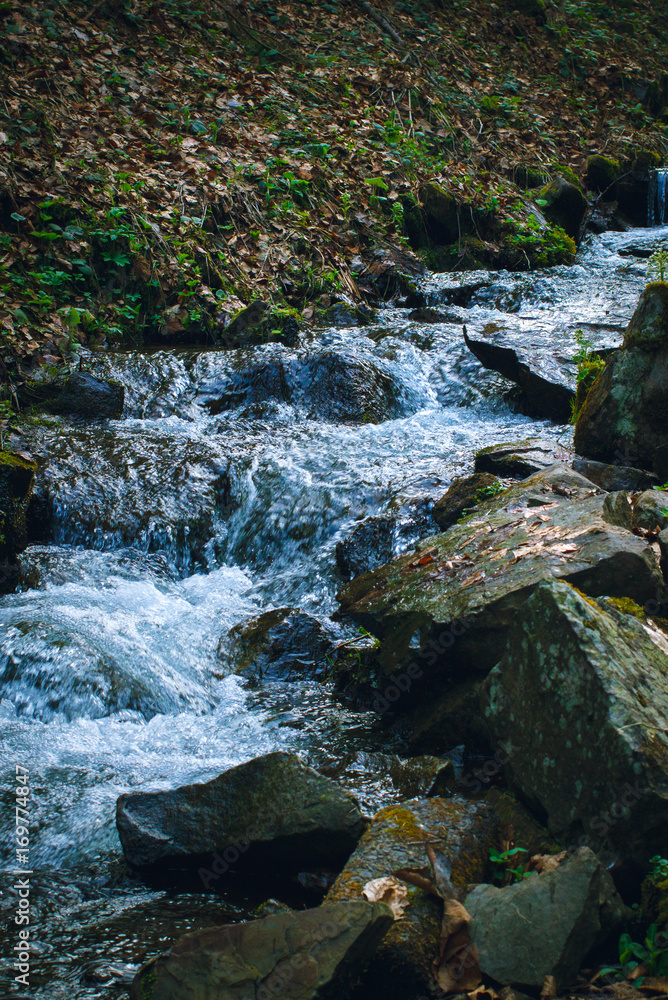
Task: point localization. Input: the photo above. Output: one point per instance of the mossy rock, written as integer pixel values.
(563, 170)
(464, 494)
(441, 213)
(528, 177)
(602, 173)
(645, 159)
(564, 204)
(17, 477)
(649, 324)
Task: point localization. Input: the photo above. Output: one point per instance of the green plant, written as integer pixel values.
(489, 491)
(589, 367)
(657, 264)
(651, 955)
(502, 869)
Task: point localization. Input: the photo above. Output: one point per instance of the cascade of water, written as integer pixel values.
(656, 197)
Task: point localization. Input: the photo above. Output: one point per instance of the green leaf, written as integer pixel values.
(18, 218)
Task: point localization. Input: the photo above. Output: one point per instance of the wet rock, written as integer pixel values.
(329, 386)
(545, 925)
(17, 478)
(370, 544)
(293, 955)
(650, 510)
(441, 213)
(281, 644)
(526, 831)
(617, 510)
(463, 495)
(577, 676)
(449, 604)
(564, 204)
(460, 832)
(613, 477)
(428, 315)
(341, 314)
(82, 396)
(626, 411)
(546, 391)
(519, 459)
(272, 814)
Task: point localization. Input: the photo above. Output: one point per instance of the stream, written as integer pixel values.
(164, 529)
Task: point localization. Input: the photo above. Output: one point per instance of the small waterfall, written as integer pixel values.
(656, 197)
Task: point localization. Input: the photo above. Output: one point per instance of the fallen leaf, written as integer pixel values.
(388, 890)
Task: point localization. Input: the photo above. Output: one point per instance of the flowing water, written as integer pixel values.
(222, 492)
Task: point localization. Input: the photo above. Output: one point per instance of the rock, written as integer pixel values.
(528, 834)
(660, 463)
(613, 477)
(370, 544)
(428, 315)
(545, 394)
(650, 510)
(576, 677)
(563, 204)
(546, 924)
(602, 174)
(617, 510)
(294, 955)
(17, 478)
(82, 396)
(441, 214)
(329, 386)
(463, 495)
(462, 833)
(341, 314)
(626, 411)
(272, 814)
(448, 605)
(663, 545)
(281, 644)
(519, 459)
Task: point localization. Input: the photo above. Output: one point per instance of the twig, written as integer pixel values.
(382, 23)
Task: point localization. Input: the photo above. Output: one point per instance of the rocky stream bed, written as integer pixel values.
(302, 482)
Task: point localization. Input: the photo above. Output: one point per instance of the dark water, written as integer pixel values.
(173, 524)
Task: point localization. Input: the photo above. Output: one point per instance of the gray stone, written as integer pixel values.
(519, 459)
(462, 834)
(626, 411)
(82, 396)
(449, 604)
(649, 510)
(546, 924)
(273, 814)
(464, 493)
(546, 391)
(617, 510)
(614, 477)
(291, 956)
(582, 694)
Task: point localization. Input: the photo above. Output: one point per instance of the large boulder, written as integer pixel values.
(519, 459)
(327, 385)
(449, 604)
(650, 510)
(272, 814)
(614, 477)
(626, 411)
(582, 694)
(546, 924)
(461, 834)
(290, 955)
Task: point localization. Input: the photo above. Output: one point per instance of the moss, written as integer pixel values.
(568, 174)
(588, 372)
(403, 822)
(602, 172)
(645, 159)
(628, 607)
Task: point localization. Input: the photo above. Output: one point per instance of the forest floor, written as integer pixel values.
(163, 165)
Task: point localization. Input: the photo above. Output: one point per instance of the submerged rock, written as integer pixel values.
(546, 389)
(448, 605)
(282, 644)
(626, 411)
(582, 694)
(329, 386)
(257, 324)
(292, 955)
(461, 834)
(519, 459)
(273, 814)
(546, 924)
(463, 495)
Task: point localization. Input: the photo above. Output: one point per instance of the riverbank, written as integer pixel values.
(162, 167)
